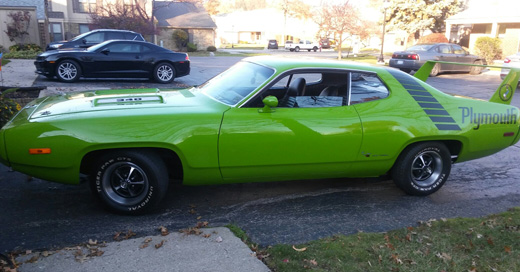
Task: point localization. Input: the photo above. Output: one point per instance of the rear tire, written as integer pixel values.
(422, 169)
(164, 73)
(435, 70)
(129, 182)
(476, 70)
(297, 49)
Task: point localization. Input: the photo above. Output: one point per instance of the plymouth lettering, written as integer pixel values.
(482, 118)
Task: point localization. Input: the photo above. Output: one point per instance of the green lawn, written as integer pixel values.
(5, 61)
(491, 243)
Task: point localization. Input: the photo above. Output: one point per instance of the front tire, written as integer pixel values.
(164, 73)
(130, 182)
(68, 71)
(422, 169)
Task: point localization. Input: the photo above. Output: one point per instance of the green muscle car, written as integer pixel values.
(264, 119)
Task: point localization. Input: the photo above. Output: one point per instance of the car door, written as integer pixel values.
(445, 54)
(461, 56)
(119, 59)
(316, 139)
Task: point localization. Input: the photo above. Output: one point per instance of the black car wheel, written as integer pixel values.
(315, 49)
(130, 182)
(297, 49)
(435, 70)
(68, 71)
(164, 73)
(422, 169)
(475, 70)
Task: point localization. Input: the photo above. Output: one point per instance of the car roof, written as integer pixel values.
(113, 30)
(288, 63)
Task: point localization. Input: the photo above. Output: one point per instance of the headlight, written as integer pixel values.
(56, 45)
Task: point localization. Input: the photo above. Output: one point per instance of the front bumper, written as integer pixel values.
(44, 68)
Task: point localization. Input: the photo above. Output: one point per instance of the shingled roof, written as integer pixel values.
(182, 15)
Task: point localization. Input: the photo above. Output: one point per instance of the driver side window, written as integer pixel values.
(308, 90)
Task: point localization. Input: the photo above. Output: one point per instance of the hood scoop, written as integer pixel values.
(132, 100)
(133, 97)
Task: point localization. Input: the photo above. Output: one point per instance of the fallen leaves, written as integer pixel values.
(195, 230)
(160, 244)
(443, 256)
(164, 231)
(120, 236)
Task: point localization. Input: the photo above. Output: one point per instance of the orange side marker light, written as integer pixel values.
(37, 151)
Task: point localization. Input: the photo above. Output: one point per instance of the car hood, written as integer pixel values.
(111, 100)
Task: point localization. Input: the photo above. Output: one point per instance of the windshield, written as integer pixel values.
(80, 36)
(97, 46)
(420, 47)
(236, 83)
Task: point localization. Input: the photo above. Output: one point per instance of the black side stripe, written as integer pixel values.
(419, 93)
(431, 106)
(439, 119)
(439, 116)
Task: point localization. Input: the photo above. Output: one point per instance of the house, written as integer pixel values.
(38, 31)
(259, 26)
(57, 20)
(491, 18)
(172, 15)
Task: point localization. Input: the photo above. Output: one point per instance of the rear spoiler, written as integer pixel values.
(502, 95)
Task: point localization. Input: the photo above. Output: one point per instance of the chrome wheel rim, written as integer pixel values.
(125, 183)
(164, 73)
(67, 71)
(426, 168)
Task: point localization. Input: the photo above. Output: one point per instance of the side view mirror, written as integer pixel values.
(105, 51)
(84, 41)
(269, 102)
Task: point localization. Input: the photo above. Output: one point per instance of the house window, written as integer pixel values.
(87, 6)
(83, 28)
(56, 32)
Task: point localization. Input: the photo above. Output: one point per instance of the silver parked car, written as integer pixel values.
(414, 57)
(510, 61)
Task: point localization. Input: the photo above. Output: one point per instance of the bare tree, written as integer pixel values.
(342, 20)
(119, 15)
(134, 16)
(18, 29)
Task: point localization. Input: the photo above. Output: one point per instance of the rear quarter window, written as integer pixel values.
(366, 87)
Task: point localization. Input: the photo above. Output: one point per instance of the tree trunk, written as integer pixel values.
(340, 43)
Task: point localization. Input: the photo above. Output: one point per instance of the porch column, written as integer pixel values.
(448, 31)
(494, 30)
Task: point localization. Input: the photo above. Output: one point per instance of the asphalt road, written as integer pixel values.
(37, 214)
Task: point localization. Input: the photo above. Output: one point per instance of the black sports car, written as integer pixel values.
(114, 59)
